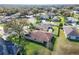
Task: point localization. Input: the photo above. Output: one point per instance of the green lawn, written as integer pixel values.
(61, 46)
(64, 46)
(55, 30)
(62, 19)
(31, 48)
(1, 25)
(76, 16)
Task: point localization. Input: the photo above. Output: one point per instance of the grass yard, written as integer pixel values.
(62, 19)
(55, 30)
(76, 16)
(63, 46)
(31, 48)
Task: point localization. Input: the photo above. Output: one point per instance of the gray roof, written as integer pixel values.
(71, 19)
(73, 31)
(44, 17)
(8, 48)
(43, 26)
(55, 18)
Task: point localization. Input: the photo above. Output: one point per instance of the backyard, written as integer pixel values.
(30, 47)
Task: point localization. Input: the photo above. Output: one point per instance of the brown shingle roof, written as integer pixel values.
(41, 35)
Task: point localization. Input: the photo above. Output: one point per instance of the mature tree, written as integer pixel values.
(17, 26)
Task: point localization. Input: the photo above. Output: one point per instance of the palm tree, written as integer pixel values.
(60, 26)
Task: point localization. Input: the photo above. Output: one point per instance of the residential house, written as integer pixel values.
(51, 15)
(76, 10)
(31, 20)
(16, 15)
(8, 48)
(43, 21)
(44, 17)
(43, 37)
(71, 21)
(71, 32)
(29, 16)
(44, 26)
(55, 19)
(53, 8)
(6, 19)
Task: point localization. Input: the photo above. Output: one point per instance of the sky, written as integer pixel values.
(39, 2)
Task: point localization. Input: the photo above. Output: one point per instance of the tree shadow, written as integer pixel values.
(53, 43)
(28, 40)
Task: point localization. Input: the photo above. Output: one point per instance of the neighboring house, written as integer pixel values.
(29, 16)
(71, 32)
(8, 48)
(55, 19)
(40, 36)
(76, 11)
(14, 16)
(32, 20)
(44, 26)
(71, 20)
(6, 19)
(53, 8)
(44, 17)
(43, 21)
(51, 15)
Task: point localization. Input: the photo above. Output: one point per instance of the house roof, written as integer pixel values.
(7, 47)
(44, 17)
(55, 18)
(43, 26)
(71, 19)
(74, 31)
(41, 35)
